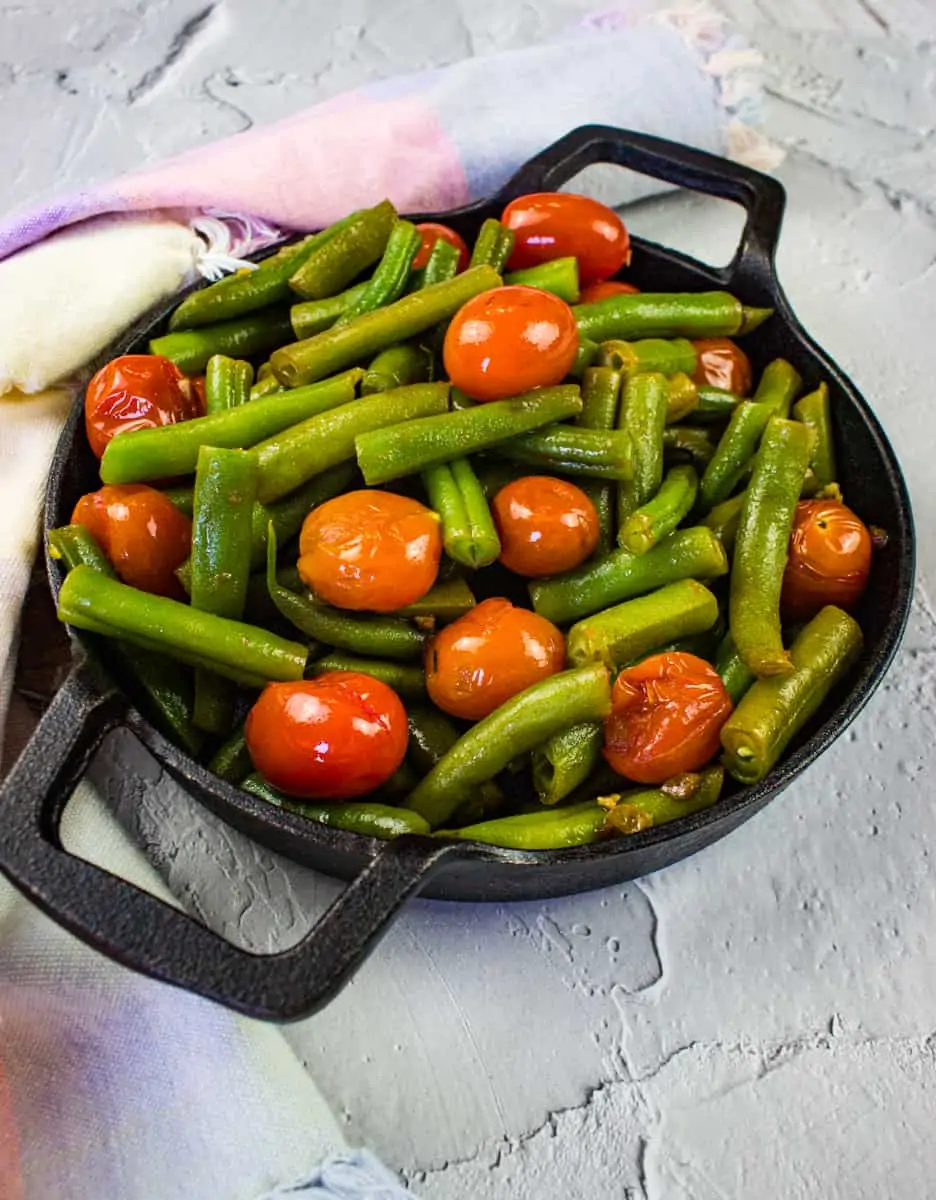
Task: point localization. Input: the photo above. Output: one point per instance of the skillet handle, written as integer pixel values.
(142, 932)
(751, 270)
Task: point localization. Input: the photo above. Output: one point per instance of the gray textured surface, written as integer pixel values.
(757, 1021)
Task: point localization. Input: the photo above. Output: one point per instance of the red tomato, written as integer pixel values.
(142, 533)
(546, 525)
(556, 224)
(331, 738)
(370, 550)
(490, 654)
(137, 391)
(723, 364)
(605, 288)
(430, 232)
(666, 717)
(829, 561)
(509, 340)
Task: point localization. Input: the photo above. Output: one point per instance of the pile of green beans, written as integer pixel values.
(324, 374)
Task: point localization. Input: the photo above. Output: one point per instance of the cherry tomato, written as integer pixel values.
(137, 391)
(546, 525)
(142, 533)
(490, 654)
(509, 340)
(829, 561)
(556, 224)
(605, 288)
(723, 364)
(666, 716)
(430, 232)
(331, 738)
(370, 550)
(198, 386)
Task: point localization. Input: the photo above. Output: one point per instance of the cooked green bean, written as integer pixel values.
(762, 545)
(723, 520)
(265, 383)
(442, 263)
(681, 442)
(735, 674)
(693, 553)
(516, 727)
(649, 807)
(623, 633)
(411, 446)
(406, 680)
(682, 397)
(559, 276)
(398, 366)
(655, 520)
(289, 513)
(601, 389)
(289, 458)
(774, 710)
(648, 355)
(310, 317)
(548, 829)
(244, 337)
(468, 531)
(643, 419)
(665, 315)
(813, 410)
(493, 245)
(566, 760)
(244, 653)
(355, 816)
(231, 761)
(389, 279)
(227, 383)
(568, 450)
(448, 599)
(352, 249)
(584, 357)
(715, 404)
(172, 450)
(335, 349)
(432, 735)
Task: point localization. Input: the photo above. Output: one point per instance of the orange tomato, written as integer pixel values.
(143, 534)
(431, 232)
(370, 550)
(829, 560)
(605, 288)
(550, 225)
(136, 391)
(666, 717)
(722, 364)
(546, 525)
(490, 654)
(509, 340)
(331, 738)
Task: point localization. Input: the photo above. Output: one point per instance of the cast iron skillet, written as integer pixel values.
(143, 933)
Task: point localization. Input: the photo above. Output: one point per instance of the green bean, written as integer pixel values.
(334, 349)
(493, 246)
(643, 419)
(585, 356)
(559, 276)
(447, 600)
(227, 383)
(549, 829)
(777, 388)
(694, 553)
(244, 337)
(231, 761)
(715, 404)
(225, 487)
(682, 441)
(266, 383)
(649, 807)
(567, 450)
(468, 531)
(289, 513)
(494, 473)
(398, 366)
(352, 249)
(309, 317)
(566, 760)
(411, 446)
(723, 520)
(655, 520)
(762, 545)
(661, 314)
(389, 279)
(364, 634)
(603, 496)
(774, 710)
(753, 318)
(173, 449)
(735, 674)
(601, 389)
(288, 459)
(166, 687)
(406, 680)
(431, 734)
(244, 653)
(682, 397)
(181, 497)
(516, 727)
(442, 263)
(649, 355)
(623, 633)
(813, 410)
(355, 816)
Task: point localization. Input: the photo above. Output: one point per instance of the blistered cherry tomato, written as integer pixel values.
(490, 654)
(829, 561)
(723, 364)
(370, 550)
(142, 533)
(605, 288)
(509, 340)
(430, 232)
(136, 391)
(556, 224)
(331, 738)
(546, 525)
(666, 716)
